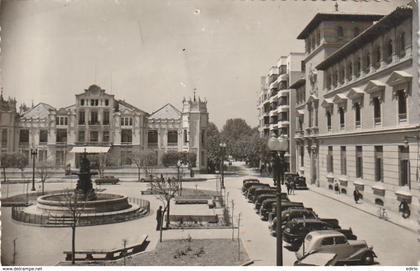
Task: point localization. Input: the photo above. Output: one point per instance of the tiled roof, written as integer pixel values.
(124, 104)
(40, 111)
(168, 111)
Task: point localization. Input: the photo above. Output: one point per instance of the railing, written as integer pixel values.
(402, 116)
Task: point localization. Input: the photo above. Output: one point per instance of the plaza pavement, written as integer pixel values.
(44, 246)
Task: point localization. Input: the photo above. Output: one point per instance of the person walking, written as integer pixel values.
(159, 216)
(288, 188)
(356, 195)
(292, 187)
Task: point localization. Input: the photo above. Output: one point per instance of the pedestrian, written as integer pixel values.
(288, 188)
(292, 187)
(159, 218)
(404, 209)
(356, 195)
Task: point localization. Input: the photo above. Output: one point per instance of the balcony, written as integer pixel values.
(283, 123)
(273, 126)
(299, 133)
(283, 93)
(283, 108)
(273, 113)
(126, 143)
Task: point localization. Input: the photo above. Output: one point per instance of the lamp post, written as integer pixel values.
(222, 170)
(178, 166)
(417, 138)
(278, 147)
(34, 153)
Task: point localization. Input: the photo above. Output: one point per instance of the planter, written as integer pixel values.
(379, 190)
(404, 194)
(343, 182)
(359, 185)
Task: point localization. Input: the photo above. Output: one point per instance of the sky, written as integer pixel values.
(153, 52)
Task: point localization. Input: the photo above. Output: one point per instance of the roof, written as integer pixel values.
(369, 34)
(39, 111)
(167, 111)
(319, 17)
(129, 107)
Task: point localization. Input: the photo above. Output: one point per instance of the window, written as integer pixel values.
(24, 136)
(342, 117)
(186, 136)
(43, 136)
(81, 117)
(328, 120)
(57, 121)
(81, 136)
(343, 159)
(340, 32)
(4, 135)
(330, 160)
(367, 63)
(401, 46)
(359, 162)
(172, 137)
(94, 136)
(302, 66)
(94, 117)
(126, 158)
(66, 121)
(106, 102)
(403, 155)
(126, 121)
(376, 110)
(92, 102)
(42, 155)
(60, 158)
(61, 136)
(126, 136)
(302, 155)
(389, 50)
(357, 115)
(379, 164)
(402, 105)
(203, 137)
(329, 241)
(96, 102)
(106, 118)
(82, 102)
(342, 73)
(340, 240)
(357, 68)
(356, 31)
(349, 71)
(152, 137)
(377, 62)
(105, 136)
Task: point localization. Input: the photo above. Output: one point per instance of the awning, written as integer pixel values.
(90, 149)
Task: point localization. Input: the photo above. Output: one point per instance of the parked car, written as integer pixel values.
(259, 191)
(334, 242)
(248, 182)
(253, 186)
(265, 196)
(295, 230)
(270, 213)
(107, 180)
(300, 182)
(289, 214)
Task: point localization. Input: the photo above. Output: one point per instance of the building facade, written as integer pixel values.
(360, 118)
(276, 101)
(99, 119)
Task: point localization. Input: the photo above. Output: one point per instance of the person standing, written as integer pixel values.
(159, 216)
(292, 187)
(288, 188)
(356, 195)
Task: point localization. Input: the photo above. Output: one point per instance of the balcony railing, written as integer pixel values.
(402, 117)
(377, 120)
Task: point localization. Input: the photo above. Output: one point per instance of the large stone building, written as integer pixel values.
(98, 119)
(276, 103)
(358, 112)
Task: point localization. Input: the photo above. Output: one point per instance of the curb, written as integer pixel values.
(367, 212)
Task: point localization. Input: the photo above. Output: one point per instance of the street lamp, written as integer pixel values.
(178, 166)
(417, 157)
(34, 153)
(278, 147)
(222, 170)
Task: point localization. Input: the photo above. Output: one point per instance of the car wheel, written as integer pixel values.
(367, 259)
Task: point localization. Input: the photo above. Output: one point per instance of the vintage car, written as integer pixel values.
(250, 192)
(262, 197)
(289, 214)
(248, 182)
(259, 191)
(253, 186)
(270, 213)
(299, 182)
(334, 242)
(295, 230)
(107, 180)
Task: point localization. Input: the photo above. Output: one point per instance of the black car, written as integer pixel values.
(251, 190)
(259, 191)
(263, 197)
(284, 206)
(292, 213)
(299, 182)
(250, 186)
(295, 230)
(248, 182)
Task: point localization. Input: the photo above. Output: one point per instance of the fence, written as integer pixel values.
(89, 219)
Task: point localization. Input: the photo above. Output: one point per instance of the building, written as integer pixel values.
(276, 101)
(98, 119)
(8, 125)
(360, 110)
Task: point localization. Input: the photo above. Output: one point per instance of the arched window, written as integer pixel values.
(328, 120)
(357, 114)
(356, 31)
(389, 50)
(349, 71)
(342, 117)
(402, 45)
(376, 110)
(357, 68)
(340, 32)
(377, 62)
(367, 63)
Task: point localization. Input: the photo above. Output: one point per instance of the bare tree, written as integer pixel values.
(144, 160)
(165, 191)
(44, 171)
(101, 161)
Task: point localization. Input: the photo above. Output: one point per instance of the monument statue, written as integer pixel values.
(84, 186)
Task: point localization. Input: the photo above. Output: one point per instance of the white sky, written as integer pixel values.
(51, 49)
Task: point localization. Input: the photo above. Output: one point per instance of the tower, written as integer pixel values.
(194, 121)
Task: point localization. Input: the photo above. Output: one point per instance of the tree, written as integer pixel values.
(165, 190)
(44, 171)
(13, 160)
(144, 159)
(213, 148)
(101, 161)
(233, 134)
(171, 158)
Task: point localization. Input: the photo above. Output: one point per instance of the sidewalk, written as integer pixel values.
(393, 217)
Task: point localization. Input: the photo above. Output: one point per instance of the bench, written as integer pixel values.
(137, 246)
